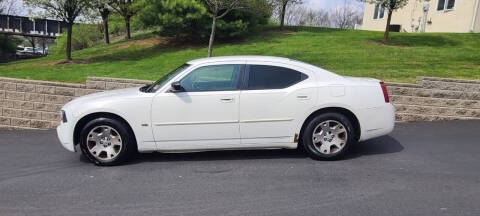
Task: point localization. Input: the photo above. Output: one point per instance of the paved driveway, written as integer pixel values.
(420, 169)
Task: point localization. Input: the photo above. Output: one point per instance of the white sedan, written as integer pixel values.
(237, 102)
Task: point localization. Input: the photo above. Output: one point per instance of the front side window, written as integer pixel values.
(272, 77)
(165, 79)
(212, 78)
(445, 4)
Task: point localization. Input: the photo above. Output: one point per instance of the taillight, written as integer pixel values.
(385, 92)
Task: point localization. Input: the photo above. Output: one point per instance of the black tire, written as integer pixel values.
(307, 140)
(126, 151)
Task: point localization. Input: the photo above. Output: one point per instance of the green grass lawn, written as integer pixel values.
(349, 52)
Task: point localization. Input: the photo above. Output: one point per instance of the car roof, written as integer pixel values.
(262, 58)
(239, 58)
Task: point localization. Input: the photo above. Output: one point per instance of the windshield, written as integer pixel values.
(165, 79)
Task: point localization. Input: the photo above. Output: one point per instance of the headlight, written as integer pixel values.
(64, 116)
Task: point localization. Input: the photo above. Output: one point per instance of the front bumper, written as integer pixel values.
(65, 135)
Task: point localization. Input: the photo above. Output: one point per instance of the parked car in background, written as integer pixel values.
(31, 52)
(237, 102)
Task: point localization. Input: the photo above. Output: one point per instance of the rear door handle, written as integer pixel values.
(303, 97)
(226, 100)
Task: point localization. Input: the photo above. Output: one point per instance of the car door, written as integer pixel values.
(272, 101)
(204, 115)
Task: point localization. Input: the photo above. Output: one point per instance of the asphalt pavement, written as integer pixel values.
(429, 168)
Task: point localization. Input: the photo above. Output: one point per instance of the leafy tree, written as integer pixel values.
(189, 20)
(116, 24)
(8, 45)
(84, 36)
(66, 10)
(174, 17)
(219, 9)
(127, 9)
(390, 6)
(241, 23)
(101, 8)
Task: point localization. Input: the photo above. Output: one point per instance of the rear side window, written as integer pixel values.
(272, 77)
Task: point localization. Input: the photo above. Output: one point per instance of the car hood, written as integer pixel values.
(105, 97)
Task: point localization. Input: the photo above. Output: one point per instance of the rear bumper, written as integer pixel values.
(377, 121)
(65, 134)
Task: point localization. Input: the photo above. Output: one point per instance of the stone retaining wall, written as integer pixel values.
(433, 99)
(29, 104)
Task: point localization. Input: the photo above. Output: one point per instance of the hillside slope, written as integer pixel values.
(353, 53)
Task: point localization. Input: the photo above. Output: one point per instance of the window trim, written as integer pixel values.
(445, 4)
(246, 77)
(168, 82)
(239, 82)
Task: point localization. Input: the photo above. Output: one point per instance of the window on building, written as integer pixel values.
(379, 12)
(445, 4)
(375, 13)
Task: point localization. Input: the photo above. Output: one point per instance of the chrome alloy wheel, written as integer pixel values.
(104, 142)
(329, 137)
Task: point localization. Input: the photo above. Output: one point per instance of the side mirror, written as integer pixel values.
(177, 87)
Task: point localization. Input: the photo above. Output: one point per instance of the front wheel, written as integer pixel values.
(107, 142)
(328, 136)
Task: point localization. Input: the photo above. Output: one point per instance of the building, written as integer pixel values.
(26, 26)
(426, 16)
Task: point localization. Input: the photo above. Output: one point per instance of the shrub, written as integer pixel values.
(189, 19)
(83, 36)
(180, 18)
(8, 44)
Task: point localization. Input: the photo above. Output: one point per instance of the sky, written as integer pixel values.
(329, 5)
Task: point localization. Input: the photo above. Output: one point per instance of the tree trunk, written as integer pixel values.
(105, 31)
(282, 15)
(32, 41)
(43, 47)
(69, 40)
(212, 36)
(106, 36)
(127, 26)
(387, 29)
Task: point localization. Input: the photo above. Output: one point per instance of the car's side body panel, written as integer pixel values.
(269, 117)
(189, 121)
(197, 121)
(130, 104)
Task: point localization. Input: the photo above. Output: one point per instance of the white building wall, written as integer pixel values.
(458, 19)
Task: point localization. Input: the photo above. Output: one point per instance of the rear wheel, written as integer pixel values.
(328, 136)
(107, 142)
